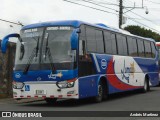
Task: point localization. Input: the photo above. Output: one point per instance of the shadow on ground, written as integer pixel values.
(83, 102)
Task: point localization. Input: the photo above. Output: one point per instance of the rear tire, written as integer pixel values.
(146, 86)
(51, 101)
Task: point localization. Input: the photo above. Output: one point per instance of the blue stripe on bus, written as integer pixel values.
(45, 75)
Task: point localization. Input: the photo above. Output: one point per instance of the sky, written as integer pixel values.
(35, 11)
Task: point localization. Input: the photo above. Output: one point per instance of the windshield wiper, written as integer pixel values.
(34, 53)
(47, 51)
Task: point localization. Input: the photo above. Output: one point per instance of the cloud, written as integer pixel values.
(33, 11)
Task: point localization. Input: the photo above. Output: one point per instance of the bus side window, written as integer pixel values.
(125, 49)
(122, 45)
(99, 42)
(147, 49)
(108, 42)
(153, 49)
(81, 47)
(141, 48)
(91, 41)
(132, 46)
(135, 47)
(114, 44)
(85, 63)
(82, 41)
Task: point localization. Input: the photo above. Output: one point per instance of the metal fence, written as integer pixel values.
(6, 69)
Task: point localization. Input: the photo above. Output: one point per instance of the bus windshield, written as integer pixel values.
(45, 48)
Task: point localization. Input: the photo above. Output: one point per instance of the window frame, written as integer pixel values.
(114, 33)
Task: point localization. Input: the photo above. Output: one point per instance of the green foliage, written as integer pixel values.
(141, 31)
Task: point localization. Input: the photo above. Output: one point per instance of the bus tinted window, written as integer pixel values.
(82, 34)
(99, 41)
(140, 48)
(135, 50)
(82, 40)
(122, 45)
(91, 41)
(147, 49)
(132, 46)
(108, 42)
(125, 49)
(153, 49)
(114, 44)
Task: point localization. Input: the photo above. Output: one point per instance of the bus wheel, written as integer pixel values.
(146, 86)
(100, 95)
(51, 101)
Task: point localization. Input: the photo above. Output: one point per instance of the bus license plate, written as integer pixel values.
(40, 92)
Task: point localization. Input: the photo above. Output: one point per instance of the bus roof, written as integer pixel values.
(77, 23)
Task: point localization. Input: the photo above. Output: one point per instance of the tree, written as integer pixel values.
(141, 31)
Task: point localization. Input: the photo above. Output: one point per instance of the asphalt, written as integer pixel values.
(14, 101)
(128, 101)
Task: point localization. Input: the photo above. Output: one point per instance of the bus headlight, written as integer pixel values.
(66, 84)
(62, 84)
(17, 85)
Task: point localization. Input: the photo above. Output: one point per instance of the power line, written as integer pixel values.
(115, 14)
(141, 16)
(143, 19)
(106, 3)
(11, 22)
(91, 7)
(142, 24)
(128, 1)
(154, 8)
(152, 2)
(99, 5)
(122, 7)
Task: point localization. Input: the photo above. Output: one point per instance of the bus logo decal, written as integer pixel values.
(127, 71)
(103, 64)
(54, 76)
(39, 79)
(17, 75)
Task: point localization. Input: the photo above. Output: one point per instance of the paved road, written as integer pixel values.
(130, 101)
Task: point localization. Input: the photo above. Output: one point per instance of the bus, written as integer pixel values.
(74, 60)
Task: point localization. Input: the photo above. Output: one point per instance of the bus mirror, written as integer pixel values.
(5, 40)
(78, 30)
(74, 39)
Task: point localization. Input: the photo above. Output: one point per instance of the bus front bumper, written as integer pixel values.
(45, 90)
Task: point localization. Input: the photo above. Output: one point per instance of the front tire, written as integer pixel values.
(51, 101)
(100, 95)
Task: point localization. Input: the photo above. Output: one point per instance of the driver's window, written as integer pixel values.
(85, 65)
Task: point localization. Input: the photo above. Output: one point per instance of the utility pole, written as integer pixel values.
(121, 7)
(120, 13)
